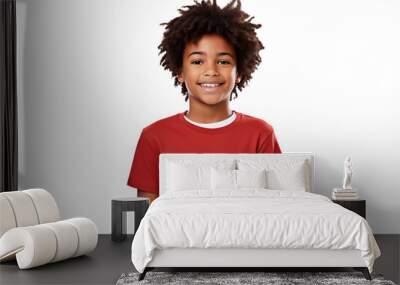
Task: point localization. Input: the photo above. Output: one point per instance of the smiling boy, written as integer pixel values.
(211, 52)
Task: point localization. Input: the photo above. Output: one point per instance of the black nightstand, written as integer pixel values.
(119, 207)
(357, 206)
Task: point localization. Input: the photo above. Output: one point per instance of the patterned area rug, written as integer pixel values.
(270, 278)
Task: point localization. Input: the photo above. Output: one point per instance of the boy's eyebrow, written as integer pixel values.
(203, 53)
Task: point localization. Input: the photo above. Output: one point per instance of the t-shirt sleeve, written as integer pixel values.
(144, 169)
(268, 143)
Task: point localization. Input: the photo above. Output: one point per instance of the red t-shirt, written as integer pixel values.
(174, 134)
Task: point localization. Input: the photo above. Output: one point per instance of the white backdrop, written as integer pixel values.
(89, 80)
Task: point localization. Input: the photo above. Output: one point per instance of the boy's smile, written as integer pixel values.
(209, 69)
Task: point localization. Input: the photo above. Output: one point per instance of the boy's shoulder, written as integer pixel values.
(256, 123)
(161, 123)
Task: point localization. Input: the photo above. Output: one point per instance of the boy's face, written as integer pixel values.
(209, 69)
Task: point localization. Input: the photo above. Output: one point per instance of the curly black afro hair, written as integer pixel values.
(206, 17)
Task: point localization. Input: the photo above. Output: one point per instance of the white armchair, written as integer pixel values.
(31, 230)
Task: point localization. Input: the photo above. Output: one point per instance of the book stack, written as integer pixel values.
(344, 194)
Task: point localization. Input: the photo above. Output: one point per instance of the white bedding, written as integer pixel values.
(250, 218)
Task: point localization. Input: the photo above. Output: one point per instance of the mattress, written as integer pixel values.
(250, 219)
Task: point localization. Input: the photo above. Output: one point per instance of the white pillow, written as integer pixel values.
(251, 178)
(287, 179)
(223, 179)
(283, 174)
(188, 175)
(236, 179)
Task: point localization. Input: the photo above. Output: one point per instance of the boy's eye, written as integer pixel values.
(196, 62)
(224, 61)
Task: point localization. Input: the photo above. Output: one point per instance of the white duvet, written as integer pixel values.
(250, 218)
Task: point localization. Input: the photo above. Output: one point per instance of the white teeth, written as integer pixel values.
(209, 85)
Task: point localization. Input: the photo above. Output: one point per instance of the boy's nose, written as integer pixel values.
(211, 71)
(211, 68)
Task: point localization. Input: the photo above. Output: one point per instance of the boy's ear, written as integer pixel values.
(180, 78)
(238, 78)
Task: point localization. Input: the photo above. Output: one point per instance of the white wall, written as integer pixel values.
(90, 80)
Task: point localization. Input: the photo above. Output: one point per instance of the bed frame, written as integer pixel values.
(241, 259)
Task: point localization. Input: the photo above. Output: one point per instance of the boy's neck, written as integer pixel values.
(206, 114)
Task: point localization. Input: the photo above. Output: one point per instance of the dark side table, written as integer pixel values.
(357, 206)
(119, 207)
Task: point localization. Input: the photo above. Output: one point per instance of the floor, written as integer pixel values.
(111, 259)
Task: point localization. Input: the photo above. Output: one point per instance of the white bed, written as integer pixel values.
(248, 227)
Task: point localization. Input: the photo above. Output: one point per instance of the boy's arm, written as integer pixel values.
(144, 194)
(144, 169)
